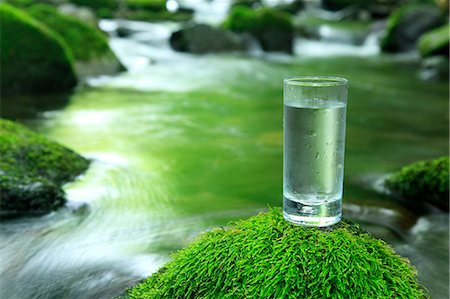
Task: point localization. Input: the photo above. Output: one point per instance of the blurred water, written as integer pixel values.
(182, 143)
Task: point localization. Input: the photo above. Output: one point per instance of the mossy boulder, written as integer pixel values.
(272, 28)
(202, 38)
(434, 68)
(33, 58)
(88, 44)
(32, 171)
(423, 181)
(435, 42)
(267, 257)
(407, 24)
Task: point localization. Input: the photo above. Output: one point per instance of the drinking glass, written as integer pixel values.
(314, 143)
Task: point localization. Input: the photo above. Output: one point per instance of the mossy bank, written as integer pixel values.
(423, 181)
(32, 171)
(267, 257)
(33, 58)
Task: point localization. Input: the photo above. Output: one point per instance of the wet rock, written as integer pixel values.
(33, 58)
(201, 38)
(407, 24)
(33, 170)
(27, 196)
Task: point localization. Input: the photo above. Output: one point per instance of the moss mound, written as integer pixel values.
(32, 170)
(88, 44)
(33, 58)
(273, 28)
(267, 257)
(423, 181)
(435, 42)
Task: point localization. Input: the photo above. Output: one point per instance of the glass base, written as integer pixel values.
(312, 214)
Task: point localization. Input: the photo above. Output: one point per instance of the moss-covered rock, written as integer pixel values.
(435, 42)
(88, 44)
(202, 38)
(33, 58)
(267, 257)
(32, 171)
(273, 28)
(423, 181)
(434, 68)
(407, 24)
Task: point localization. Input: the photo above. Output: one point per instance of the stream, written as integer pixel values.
(181, 143)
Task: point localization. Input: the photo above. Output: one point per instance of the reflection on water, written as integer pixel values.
(182, 143)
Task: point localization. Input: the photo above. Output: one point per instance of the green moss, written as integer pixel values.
(435, 42)
(98, 4)
(32, 170)
(153, 5)
(244, 19)
(267, 257)
(20, 3)
(85, 41)
(423, 181)
(33, 58)
(272, 27)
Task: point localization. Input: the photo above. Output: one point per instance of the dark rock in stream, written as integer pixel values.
(434, 68)
(407, 24)
(201, 38)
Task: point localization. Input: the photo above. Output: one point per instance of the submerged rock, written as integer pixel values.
(88, 44)
(201, 38)
(423, 181)
(267, 257)
(32, 171)
(434, 68)
(33, 58)
(407, 24)
(272, 28)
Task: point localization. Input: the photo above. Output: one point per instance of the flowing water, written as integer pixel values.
(181, 143)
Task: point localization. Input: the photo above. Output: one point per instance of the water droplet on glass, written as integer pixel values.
(310, 133)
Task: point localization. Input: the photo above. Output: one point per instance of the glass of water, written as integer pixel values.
(314, 144)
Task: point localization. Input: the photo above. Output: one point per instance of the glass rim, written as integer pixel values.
(316, 81)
